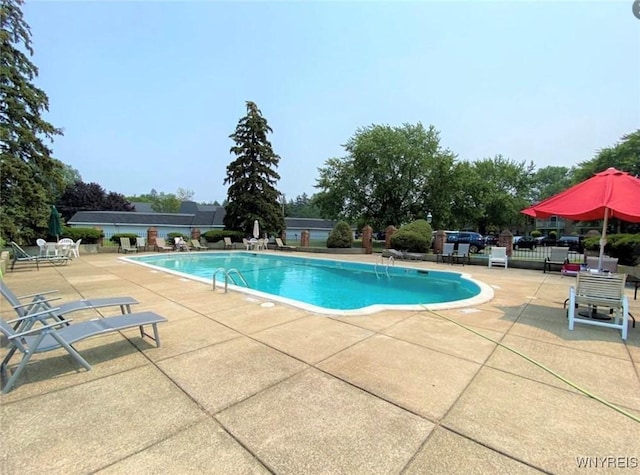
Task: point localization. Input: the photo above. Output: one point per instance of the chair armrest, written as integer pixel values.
(48, 311)
(38, 294)
(36, 302)
(38, 329)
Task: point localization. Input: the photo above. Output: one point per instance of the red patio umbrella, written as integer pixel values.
(608, 194)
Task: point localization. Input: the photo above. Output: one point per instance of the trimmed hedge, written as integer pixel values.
(215, 235)
(413, 237)
(341, 236)
(116, 237)
(626, 247)
(88, 235)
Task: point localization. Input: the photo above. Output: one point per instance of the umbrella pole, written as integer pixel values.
(603, 239)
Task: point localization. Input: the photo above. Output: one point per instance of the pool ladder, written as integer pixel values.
(228, 275)
(391, 262)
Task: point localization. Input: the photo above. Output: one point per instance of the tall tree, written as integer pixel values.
(30, 177)
(90, 197)
(252, 177)
(391, 175)
(500, 189)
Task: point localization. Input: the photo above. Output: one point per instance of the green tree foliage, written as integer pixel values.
(90, 197)
(302, 207)
(413, 237)
(500, 190)
(625, 155)
(549, 181)
(391, 175)
(30, 177)
(252, 178)
(161, 202)
(341, 236)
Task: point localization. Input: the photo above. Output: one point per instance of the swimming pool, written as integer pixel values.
(326, 286)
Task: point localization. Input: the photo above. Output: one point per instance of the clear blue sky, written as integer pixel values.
(148, 92)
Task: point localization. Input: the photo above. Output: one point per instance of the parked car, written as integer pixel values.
(524, 242)
(574, 243)
(545, 241)
(475, 240)
(491, 240)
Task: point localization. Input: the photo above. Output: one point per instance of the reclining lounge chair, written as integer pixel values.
(63, 335)
(39, 303)
(20, 255)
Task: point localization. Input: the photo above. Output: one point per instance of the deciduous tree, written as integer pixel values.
(90, 197)
(390, 175)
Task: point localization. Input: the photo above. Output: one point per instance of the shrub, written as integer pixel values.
(553, 235)
(626, 247)
(88, 235)
(215, 235)
(116, 237)
(409, 241)
(535, 233)
(413, 237)
(341, 236)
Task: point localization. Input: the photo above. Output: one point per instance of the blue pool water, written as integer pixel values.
(322, 284)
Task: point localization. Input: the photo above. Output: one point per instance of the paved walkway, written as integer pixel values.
(243, 387)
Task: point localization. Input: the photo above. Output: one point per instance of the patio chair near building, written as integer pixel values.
(161, 245)
(22, 256)
(195, 244)
(126, 247)
(282, 246)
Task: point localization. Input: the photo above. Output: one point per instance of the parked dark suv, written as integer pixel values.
(475, 240)
(574, 243)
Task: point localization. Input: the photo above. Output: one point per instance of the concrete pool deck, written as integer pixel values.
(247, 385)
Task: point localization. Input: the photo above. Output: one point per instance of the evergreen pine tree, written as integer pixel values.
(30, 179)
(252, 178)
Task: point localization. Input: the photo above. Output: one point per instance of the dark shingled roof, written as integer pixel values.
(202, 218)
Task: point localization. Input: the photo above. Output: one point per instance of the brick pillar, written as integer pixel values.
(441, 238)
(304, 238)
(506, 240)
(152, 234)
(367, 239)
(388, 232)
(101, 238)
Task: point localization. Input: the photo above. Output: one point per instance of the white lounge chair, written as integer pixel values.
(498, 256)
(595, 290)
(282, 246)
(126, 247)
(161, 245)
